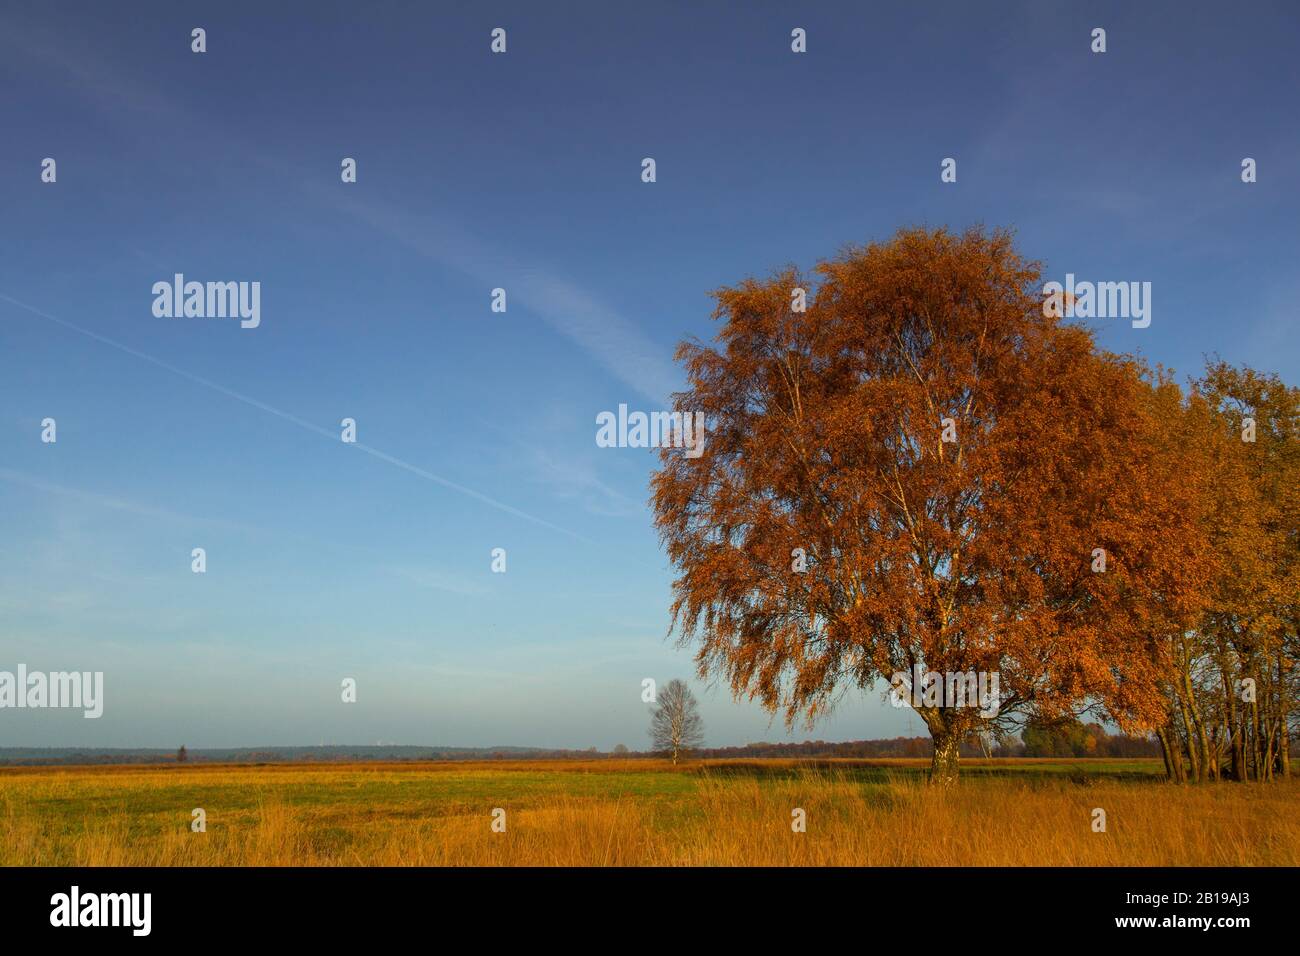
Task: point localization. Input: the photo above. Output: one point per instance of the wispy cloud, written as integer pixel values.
(570, 477)
(613, 341)
(114, 503)
(608, 337)
(295, 420)
(573, 479)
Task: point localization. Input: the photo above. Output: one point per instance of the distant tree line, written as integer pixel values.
(1051, 742)
(1054, 740)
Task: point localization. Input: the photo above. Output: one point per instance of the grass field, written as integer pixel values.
(640, 812)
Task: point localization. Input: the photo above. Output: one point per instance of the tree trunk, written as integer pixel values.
(1196, 736)
(1283, 712)
(947, 754)
(1269, 759)
(1234, 729)
(1217, 749)
(1172, 743)
(1258, 749)
(1192, 755)
(1164, 752)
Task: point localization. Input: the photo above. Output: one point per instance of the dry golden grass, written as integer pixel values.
(616, 813)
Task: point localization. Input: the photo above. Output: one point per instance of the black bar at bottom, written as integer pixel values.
(333, 905)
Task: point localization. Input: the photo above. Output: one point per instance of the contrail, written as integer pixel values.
(301, 423)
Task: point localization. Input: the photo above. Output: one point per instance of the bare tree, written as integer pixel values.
(676, 725)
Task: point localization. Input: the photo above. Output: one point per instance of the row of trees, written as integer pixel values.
(912, 461)
(1231, 691)
(1074, 738)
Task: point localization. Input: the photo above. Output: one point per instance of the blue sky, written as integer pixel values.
(519, 171)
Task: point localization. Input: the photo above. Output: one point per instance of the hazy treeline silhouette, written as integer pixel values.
(1051, 742)
(1101, 744)
(340, 753)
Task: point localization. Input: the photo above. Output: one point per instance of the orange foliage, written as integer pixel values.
(827, 434)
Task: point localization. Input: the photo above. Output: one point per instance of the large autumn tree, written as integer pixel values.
(956, 464)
